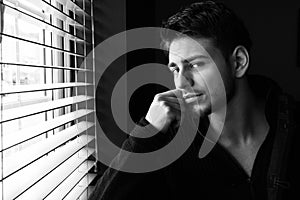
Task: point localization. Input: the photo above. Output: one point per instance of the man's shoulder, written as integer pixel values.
(292, 107)
(296, 108)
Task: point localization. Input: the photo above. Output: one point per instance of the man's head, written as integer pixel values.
(209, 20)
(209, 34)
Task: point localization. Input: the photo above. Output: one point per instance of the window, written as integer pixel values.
(47, 92)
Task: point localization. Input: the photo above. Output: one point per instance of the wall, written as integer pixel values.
(273, 26)
(110, 19)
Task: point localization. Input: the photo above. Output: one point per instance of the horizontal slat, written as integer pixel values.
(17, 104)
(80, 187)
(33, 7)
(42, 45)
(45, 66)
(28, 176)
(16, 113)
(11, 139)
(75, 164)
(39, 87)
(23, 158)
(44, 24)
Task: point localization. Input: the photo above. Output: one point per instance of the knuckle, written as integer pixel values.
(168, 109)
(169, 112)
(163, 104)
(157, 97)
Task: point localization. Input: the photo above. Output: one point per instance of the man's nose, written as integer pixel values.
(184, 80)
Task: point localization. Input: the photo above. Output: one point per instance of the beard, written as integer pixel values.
(214, 102)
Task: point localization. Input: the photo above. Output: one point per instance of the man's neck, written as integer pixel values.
(245, 122)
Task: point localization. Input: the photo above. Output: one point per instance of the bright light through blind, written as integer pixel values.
(47, 93)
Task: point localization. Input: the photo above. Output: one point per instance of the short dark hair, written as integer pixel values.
(209, 19)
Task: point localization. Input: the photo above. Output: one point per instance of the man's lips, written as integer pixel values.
(191, 95)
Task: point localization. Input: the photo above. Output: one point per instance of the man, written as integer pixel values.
(251, 160)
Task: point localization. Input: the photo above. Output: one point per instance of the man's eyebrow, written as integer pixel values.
(188, 60)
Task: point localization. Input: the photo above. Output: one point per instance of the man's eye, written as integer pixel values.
(196, 65)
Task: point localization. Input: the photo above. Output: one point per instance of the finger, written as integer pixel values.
(175, 96)
(172, 93)
(170, 99)
(173, 105)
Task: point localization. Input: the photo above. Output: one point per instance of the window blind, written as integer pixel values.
(47, 99)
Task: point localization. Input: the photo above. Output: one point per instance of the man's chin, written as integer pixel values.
(201, 110)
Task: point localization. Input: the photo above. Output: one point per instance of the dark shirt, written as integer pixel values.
(216, 176)
(219, 175)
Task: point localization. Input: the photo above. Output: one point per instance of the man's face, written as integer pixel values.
(197, 65)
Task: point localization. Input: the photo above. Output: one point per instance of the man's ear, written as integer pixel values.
(240, 61)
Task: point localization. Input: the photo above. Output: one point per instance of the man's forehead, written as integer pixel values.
(187, 48)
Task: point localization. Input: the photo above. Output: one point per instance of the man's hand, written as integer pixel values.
(165, 109)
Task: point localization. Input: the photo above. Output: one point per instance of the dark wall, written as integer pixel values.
(273, 26)
(110, 19)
